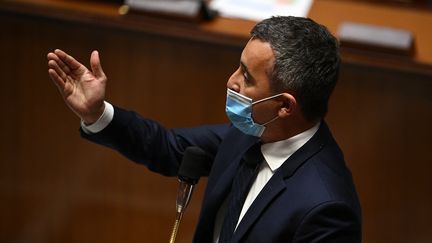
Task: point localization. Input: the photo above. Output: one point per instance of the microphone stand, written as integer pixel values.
(195, 163)
(183, 197)
(175, 227)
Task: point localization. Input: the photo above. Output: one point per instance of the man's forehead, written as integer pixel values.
(258, 52)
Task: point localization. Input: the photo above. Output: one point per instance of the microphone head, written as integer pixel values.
(196, 163)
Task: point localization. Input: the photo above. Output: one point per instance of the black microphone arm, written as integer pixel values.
(195, 163)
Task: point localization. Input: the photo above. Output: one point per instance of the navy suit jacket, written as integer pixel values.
(310, 198)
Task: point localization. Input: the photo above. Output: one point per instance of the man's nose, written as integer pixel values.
(234, 82)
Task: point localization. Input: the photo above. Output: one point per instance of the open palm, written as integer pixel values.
(82, 89)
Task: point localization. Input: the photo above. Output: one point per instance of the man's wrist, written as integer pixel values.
(94, 116)
(101, 122)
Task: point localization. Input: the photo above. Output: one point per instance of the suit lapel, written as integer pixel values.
(220, 180)
(276, 184)
(222, 184)
(271, 190)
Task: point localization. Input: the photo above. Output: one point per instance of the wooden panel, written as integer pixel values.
(415, 21)
(420, 4)
(382, 122)
(234, 32)
(56, 187)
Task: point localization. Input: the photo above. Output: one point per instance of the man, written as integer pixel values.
(297, 190)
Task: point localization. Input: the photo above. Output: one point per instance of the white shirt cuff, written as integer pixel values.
(103, 121)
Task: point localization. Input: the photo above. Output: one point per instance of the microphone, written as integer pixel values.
(195, 163)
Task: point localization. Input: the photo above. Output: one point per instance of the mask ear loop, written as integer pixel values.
(265, 99)
(272, 120)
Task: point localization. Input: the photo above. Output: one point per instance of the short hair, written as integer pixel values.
(307, 61)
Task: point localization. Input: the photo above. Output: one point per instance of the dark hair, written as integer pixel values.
(307, 61)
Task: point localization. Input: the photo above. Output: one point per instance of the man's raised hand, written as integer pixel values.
(82, 89)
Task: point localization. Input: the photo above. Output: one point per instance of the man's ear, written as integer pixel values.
(288, 106)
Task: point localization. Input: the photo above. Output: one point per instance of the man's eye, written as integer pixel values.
(245, 75)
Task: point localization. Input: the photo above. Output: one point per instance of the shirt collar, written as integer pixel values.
(278, 152)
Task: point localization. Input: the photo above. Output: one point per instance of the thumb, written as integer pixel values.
(96, 65)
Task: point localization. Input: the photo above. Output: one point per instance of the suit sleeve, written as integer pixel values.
(147, 142)
(333, 222)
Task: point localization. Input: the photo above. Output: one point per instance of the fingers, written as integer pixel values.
(96, 65)
(58, 81)
(57, 74)
(60, 63)
(69, 61)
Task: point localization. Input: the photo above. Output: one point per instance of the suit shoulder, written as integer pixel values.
(321, 179)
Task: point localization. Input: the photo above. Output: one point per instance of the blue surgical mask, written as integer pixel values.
(239, 111)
